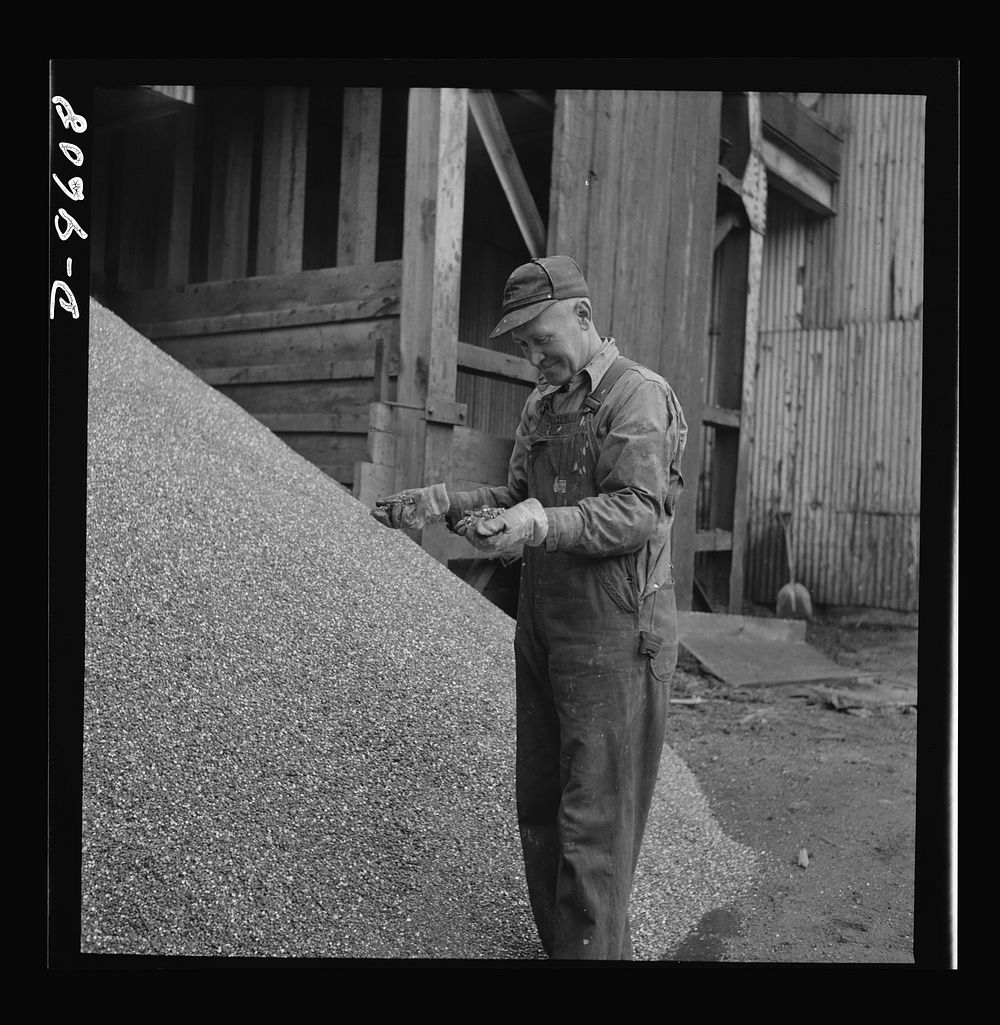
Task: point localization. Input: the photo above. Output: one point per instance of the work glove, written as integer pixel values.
(522, 524)
(413, 508)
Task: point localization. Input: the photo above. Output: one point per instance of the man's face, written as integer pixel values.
(557, 342)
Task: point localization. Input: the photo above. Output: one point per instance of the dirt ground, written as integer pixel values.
(821, 779)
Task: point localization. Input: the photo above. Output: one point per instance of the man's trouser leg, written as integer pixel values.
(590, 719)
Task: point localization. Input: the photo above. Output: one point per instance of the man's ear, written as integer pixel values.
(584, 313)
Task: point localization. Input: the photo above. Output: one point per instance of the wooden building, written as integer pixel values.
(333, 258)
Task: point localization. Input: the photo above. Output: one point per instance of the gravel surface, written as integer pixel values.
(298, 727)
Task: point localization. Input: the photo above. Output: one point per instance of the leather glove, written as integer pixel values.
(413, 508)
(522, 524)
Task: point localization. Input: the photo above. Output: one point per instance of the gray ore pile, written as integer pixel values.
(298, 726)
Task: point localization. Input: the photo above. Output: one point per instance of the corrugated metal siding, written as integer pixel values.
(866, 264)
(786, 260)
(838, 402)
(838, 446)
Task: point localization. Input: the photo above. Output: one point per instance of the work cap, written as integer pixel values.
(535, 286)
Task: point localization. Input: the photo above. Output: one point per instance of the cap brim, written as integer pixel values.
(518, 317)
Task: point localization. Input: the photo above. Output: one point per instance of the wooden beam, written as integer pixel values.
(347, 421)
(326, 448)
(162, 143)
(432, 236)
(572, 138)
(713, 540)
(796, 179)
(178, 93)
(536, 98)
(726, 387)
(127, 106)
(332, 313)
(232, 172)
(271, 373)
(434, 206)
(359, 164)
(800, 131)
(729, 181)
(372, 481)
(380, 443)
(343, 474)
(419, 208)
(500, 365)
(755, 201)
(376, 285)
(508, 168)
(690, 135)
(718, 416)
(351, 340)
(281, 223)
(723, 226)
(442, 372)
(179, 245)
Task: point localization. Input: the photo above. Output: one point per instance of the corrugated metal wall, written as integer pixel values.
(837, 438)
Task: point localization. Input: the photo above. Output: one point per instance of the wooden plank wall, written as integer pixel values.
(258, 267)
(202, 242)
(494, 405)
(633, 201)
(305, 352)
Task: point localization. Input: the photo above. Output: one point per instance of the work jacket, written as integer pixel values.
(640, 432)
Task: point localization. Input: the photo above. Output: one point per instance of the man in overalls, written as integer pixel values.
(591, 493)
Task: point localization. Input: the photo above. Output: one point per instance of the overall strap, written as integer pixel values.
(608, 381)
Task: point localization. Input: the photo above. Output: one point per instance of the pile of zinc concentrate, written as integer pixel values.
(298, 726)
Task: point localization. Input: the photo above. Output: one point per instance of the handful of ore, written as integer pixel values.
(469, 520)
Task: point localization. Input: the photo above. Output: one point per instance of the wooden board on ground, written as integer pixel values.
(755, 651)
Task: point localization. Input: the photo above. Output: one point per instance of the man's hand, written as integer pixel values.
(523, 524)
(413, 508)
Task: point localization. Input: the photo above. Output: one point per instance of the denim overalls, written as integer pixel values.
(593, 670)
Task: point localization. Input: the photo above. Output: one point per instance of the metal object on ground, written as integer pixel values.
(748, 650)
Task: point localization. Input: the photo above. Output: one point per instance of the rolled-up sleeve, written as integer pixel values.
(638, 473)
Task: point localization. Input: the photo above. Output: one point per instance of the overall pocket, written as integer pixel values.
(663, 620)
(617, 576)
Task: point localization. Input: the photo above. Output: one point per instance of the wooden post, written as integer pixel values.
(633, 199)
(376, 478)
(232, 169)
(281, 222)
(429, 305)
(179, 246)
(572, 137)
(754, 189)
(359, 165)
(508, 168)
(131, 189)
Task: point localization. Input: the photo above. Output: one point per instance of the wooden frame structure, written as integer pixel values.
(362, 355)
